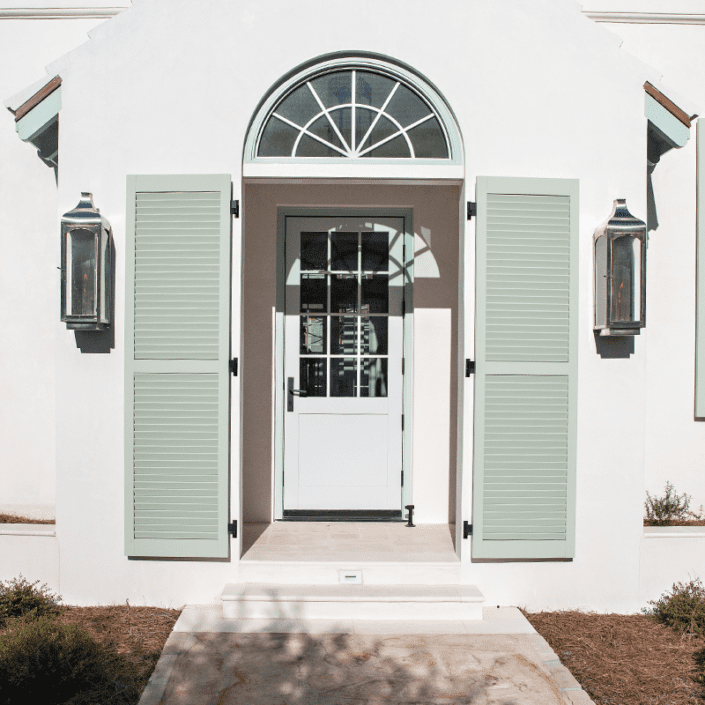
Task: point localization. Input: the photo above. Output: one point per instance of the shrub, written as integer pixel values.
(44, 661)
(683, 608)
(671, 507)
(20, 598)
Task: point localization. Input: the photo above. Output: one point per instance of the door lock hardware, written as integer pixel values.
(410, 517)
(293, 393)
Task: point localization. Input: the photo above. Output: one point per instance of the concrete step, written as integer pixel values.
(329, 572)
(352, 602)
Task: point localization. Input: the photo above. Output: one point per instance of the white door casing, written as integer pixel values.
(344, 346)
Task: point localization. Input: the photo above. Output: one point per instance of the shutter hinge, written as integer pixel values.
(232, 529)
(233, 367)
(402, 365)
(402, 422)
(469, 367)
(472, 209)
(467, 529)
(402, 478)
(235, 208)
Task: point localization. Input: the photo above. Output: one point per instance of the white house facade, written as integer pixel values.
(349, 267)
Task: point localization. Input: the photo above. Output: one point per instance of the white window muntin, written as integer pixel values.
(438, 110)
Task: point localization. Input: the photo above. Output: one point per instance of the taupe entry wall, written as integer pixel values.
(436, 213)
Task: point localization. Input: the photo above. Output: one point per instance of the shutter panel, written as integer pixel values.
(526, 379)
(177, 351)
(700, 280)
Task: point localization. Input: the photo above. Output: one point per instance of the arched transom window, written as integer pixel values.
(354, 112)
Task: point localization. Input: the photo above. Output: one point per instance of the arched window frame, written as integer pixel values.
(394, 71)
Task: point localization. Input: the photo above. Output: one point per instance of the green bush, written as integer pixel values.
(671, 507)
(20, 598)
(683, 608)
(43, 661)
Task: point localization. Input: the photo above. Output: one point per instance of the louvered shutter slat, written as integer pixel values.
(525, 403)
(177, 353)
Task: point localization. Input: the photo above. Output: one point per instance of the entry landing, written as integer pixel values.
(365, 542)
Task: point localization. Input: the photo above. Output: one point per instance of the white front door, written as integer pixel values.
(343, 376)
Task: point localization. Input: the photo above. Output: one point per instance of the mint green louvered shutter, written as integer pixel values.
(177, 350)
(526, 384)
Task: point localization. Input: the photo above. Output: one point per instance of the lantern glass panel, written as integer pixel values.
(82, 272)
(626, 279)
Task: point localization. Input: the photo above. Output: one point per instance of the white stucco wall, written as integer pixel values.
(170, 88)
(29, 247)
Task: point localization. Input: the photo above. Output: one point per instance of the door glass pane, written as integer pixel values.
(374, 335)
(343, 293)
(313, 335)
(343, 335)
(375, 294)
(375, 252)
(314, 250)
(313, 292)
(312, 376)
(343, 377)
(344, 252)
(373, 377)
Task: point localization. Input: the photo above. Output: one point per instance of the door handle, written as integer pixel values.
(293, 393)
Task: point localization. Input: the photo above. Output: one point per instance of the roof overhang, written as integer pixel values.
(37, 117)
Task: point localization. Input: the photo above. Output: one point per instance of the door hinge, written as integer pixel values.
(472, 209)
(467, 529)
(232, 529)
(233, 367)
(469, 367)
(235, 208)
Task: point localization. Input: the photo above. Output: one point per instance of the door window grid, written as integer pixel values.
(346, 346)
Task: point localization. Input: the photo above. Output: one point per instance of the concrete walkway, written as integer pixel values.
(500, 660)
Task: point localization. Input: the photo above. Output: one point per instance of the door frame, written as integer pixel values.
(279, 396)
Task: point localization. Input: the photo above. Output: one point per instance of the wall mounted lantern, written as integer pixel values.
(86, 267)
(620, 273)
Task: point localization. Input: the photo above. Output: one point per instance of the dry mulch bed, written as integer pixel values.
(15, 519)
(625, 659)
(137, 633)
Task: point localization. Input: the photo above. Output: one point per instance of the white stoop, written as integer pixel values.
(352, 602)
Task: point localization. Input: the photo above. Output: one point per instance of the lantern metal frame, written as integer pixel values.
(611, 280)
(92, 281)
